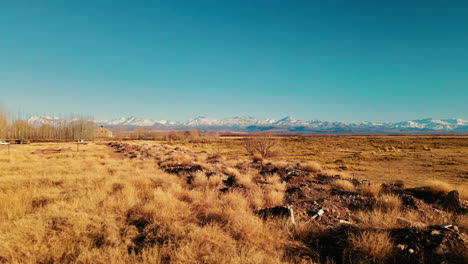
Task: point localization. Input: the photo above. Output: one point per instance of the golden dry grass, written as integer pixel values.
(87, 207)
(438, 187)
(375, 245)
(95, 207)
(364, 157)
(389, 202)
(442, 188)
(371, 190)
(343, 185)
(311, 166)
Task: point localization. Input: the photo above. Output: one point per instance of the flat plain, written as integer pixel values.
(318, 199)
(412, 159)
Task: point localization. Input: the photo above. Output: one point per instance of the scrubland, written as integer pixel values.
(379, 158)
(207, 202)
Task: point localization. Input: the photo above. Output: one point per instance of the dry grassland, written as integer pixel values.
(98, 206)
(412, 159)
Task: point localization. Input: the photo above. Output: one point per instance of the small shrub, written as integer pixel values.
(257, 157)
(280, 164)
(343, 185)
(263, 144)
(372, 190)
(439, 187)
(373, 245)
(184, 159)
(232, 172)
(311, 166)
(388, 202)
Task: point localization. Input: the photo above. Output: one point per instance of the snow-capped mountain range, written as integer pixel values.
(287, 124)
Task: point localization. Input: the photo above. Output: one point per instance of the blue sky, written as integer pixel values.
(330, 60)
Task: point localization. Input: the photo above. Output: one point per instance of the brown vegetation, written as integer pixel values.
(150, 202)
(261, 145)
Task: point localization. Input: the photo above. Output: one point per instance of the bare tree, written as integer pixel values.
(3, 125)
(262, 144)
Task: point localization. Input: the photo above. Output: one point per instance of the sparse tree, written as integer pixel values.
(262, 144)
(20, 130)
(137, 133)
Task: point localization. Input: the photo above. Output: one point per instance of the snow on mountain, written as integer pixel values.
(45, 120)
(227, 122)
(202, 121)
(286, 124)
(290, 121)
(133, 121)
(432, 124)
(37, 121)
(245, 121)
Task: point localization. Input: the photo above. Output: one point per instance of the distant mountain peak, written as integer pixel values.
(286, 124)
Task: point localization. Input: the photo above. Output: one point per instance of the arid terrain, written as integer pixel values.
(378, 158)
(308, 199)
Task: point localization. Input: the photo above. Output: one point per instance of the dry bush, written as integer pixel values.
(311, 166)
(280, 164)
(371, 190)
(201, 180)
(232, 172)
(273, 198)
(245, 179)
(378, 218)
(262, 144)
(343, 185)
(230, 163)
(442, 188)
(398, 183)
(178, 159)
(372, 245)
(257, 157)
(438, 187)
(307, 231)
(388, 202)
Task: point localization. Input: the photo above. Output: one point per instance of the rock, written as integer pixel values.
(277, 211)
(452, 202)
(440, 250)
(401, 246)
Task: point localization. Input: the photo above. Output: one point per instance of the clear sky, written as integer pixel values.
(329, 60)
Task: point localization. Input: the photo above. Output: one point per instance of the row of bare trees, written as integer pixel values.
(19, 129)
(140, 133)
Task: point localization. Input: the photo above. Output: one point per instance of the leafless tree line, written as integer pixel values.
(17, 127)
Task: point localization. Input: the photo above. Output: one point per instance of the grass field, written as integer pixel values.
(413, 159)
(98, 206)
